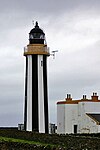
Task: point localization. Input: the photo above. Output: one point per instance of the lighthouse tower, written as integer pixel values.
(36, 95)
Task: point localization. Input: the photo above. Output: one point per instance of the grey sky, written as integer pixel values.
(72, 27)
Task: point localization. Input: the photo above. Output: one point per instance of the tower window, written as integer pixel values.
(41, 63)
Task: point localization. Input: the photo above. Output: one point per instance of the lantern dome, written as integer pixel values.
(36, 35)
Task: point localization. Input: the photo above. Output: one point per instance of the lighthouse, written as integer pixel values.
(36, 92)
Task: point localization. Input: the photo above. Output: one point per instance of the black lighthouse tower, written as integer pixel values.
(36, 92)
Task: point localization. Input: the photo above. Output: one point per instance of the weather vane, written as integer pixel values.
(53, 53)
(33, 22)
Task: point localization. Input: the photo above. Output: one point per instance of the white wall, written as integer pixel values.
(85, 123)
(29, 95)
(41, 95)
(98, 128)
(92, 107)
(66, 118)
(69, 115)
(61, 119)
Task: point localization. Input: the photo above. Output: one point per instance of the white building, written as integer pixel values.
(78, 116)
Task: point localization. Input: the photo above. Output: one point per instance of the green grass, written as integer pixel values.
(27, 140)
(5, 139)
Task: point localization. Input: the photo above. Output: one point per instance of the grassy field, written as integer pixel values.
(20, 140)
(5, 139)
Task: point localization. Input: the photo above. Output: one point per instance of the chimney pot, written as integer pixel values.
(95, 94)
(68, 97)
(84, 96)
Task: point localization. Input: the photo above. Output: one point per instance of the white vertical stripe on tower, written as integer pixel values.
(29, 95)
(41, 95)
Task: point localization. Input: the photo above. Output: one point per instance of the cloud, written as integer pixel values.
(72, 27)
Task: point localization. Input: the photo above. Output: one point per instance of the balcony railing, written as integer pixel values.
(43, 49)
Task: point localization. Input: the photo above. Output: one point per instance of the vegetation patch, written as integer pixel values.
(20, 140)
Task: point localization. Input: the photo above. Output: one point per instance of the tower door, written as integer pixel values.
(75, 128)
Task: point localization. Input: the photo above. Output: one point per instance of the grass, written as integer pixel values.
(29, 140)
(5, 139)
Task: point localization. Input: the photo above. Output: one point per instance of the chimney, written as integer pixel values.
(68, 97)
(94, 97)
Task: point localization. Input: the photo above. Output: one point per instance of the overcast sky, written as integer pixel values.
(73, 28)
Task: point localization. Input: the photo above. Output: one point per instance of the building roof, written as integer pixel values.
(36, 29)
(76, 101)
(95, 117)
(68, 100)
